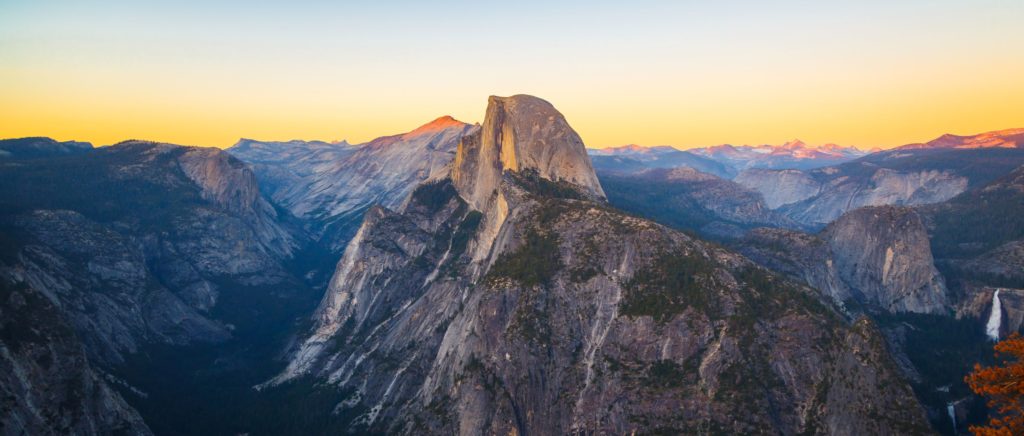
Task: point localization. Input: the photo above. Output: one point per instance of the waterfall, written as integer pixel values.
(995, 318)
(951, 410)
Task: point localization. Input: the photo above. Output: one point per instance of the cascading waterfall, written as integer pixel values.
(951, 410)
(995, 318)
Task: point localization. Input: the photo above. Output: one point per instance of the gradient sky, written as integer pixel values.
(686, 73)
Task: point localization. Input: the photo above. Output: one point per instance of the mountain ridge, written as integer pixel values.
(1005, 138)
(330, 186)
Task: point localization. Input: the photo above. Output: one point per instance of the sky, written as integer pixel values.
(684, 73)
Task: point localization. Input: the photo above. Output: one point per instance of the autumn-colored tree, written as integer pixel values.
(1004, 386)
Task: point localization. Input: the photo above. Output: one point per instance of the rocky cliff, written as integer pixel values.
(47, 383)
(780, 187)
(521, 133)
(878, 257)
(883, 253)
(537, 309)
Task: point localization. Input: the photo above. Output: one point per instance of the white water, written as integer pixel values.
(951, 410)
(995, 318)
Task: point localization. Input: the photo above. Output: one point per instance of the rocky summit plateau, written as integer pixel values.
(502, 278)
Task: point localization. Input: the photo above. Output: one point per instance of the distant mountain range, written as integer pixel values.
(812, 186)
(727, 160)
(1009, 138)
(724, 160)
(27, 148)
(632, 158)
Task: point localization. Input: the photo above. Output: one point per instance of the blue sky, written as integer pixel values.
(868, 73)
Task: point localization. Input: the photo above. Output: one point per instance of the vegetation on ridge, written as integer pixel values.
(674, 282)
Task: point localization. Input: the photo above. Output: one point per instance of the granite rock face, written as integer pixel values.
(538, 309)
(779, 187)
(878, 257)
(521, 132)
(231, 185)
(99, 278)
(883, 253)
(47, 383)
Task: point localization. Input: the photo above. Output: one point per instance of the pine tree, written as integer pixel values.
(1003, 385)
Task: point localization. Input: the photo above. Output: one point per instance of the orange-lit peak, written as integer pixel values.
(629, 147)
(1007, 138)
(442, 123)
(794, 144)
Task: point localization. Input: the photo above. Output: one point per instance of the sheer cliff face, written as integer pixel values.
(230, 184)
(884, 254)
(780, 187)
(521, 133)
(877, 257)
(538, 309)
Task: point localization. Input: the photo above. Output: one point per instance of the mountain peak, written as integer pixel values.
(520, 133)
(630, 147)
(794, 144)
(437, 125)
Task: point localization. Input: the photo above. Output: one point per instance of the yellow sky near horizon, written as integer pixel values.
(878, 74)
